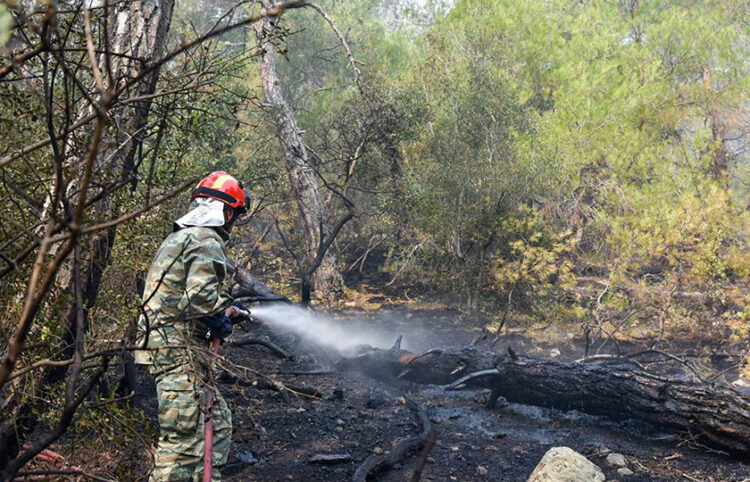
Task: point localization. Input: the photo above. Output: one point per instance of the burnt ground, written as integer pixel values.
(276, 435)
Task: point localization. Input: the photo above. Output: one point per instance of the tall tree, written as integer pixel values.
(134, 37)
(302, 176)
(137, 41)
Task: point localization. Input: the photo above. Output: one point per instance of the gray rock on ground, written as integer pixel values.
(563, 464)
(615, 460)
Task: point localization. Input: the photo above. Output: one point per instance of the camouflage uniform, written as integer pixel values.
(186, 282)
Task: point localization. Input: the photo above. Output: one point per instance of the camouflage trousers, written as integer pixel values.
(179, 455)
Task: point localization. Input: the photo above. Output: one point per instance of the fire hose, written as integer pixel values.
(208, 430)
(208, 448)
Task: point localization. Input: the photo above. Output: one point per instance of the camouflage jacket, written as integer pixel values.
(187, 281)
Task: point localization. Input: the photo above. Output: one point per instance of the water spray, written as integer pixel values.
(318, 328)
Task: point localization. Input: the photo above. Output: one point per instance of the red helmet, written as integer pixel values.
(222, 186)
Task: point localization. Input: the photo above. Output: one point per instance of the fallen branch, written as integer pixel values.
(248, 288)
(429, 444)
(285, 389)
(329, 458)
(277, 350)
(377, 463)
(628, 358)
(46, 473)
(304, 373)
(610, 359)
(268, 383)
(473, 378)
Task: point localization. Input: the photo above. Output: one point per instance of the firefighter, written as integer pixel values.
(186, 305)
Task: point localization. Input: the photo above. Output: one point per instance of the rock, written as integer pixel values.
(377, 450)
(340, 422)
(563, 464)
(499, 402)
(482, 470)
(615, 460)
(624, 471)
(554, 353)
(742, 385)
(247, 458)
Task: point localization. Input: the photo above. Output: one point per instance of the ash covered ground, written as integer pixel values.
(281, 436)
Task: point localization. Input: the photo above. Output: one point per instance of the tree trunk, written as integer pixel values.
(138, 30)
(327, 279)
(721, 156)
(140, 33)
(711, 413)
(247, 287)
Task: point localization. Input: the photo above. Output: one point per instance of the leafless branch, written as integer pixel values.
(352, 61)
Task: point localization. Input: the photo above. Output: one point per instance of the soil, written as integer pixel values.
(277, 436)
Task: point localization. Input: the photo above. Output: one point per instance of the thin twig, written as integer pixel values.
(376, 463)
(32, 473)
(429, 444)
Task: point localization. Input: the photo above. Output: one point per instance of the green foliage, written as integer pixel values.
(539, 160)
(535, 264)
(599, 114)
(505, 124)
(6, 22)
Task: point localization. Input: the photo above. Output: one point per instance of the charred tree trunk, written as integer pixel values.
(247, 287)
(302, 177)
(138, 38)
(711, 413)
(138, 34)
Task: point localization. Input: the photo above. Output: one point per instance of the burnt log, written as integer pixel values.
(713, 414)
(249, 288)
